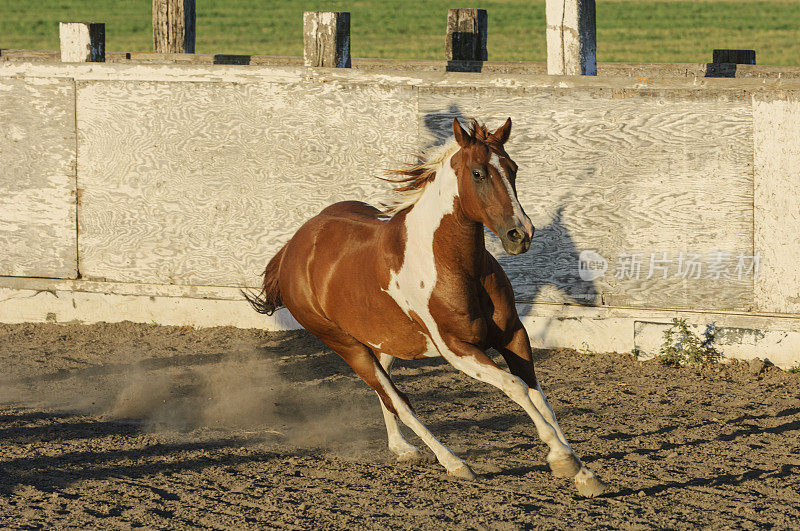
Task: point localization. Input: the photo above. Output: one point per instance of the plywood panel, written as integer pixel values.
(777, 202)
(621, 174)
(37, 178)
(201, 183)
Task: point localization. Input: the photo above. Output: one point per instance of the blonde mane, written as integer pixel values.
(415, 177)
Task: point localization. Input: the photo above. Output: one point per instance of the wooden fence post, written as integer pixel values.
(174, 26)
(739, 57)
(82, 42)
(571, 37)
(466, 35)
(326, 38)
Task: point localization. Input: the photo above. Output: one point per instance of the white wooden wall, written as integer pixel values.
(37, 178)
(201, 183)
(197, 181)
(777, 201)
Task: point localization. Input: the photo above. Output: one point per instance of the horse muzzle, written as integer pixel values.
(517, 240)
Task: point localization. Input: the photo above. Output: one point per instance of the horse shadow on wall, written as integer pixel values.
(551, 262)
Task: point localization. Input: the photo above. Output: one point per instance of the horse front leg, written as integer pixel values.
(519, 358)
(521, 386)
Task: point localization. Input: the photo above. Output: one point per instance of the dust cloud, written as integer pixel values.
(240, 395)
(308, 398)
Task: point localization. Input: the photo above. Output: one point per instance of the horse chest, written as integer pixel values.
(431, 297)
(412, 285)
(439, 303)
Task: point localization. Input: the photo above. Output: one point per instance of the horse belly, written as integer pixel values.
(352, 295)
(404, 339)
(374, 319)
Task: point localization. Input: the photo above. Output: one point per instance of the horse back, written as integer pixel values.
(354, 211)
(340, 233)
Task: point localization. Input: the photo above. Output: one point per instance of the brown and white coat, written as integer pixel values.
(417, 281)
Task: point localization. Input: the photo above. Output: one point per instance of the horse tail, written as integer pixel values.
(269, 299)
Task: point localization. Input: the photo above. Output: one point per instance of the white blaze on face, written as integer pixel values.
(519, 215)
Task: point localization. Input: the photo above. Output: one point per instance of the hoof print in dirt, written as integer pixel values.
(415, 458)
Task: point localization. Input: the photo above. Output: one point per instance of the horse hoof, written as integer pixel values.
(565, 467)
(415, 456)
(463, 472)
(590, 487)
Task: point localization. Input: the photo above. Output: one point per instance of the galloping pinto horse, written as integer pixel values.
(417, 281)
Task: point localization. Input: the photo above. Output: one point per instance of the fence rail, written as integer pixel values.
(636, 70)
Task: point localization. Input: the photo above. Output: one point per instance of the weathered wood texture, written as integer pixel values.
(777, 202)
(465, 36)
(739, 57)
(37, 178)
(620, 174)
(82, 42)
(174, 26)
(201, 183)
(198, 181)
(326, 39)
(571, 37)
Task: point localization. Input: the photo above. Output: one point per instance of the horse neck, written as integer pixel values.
(459, 241)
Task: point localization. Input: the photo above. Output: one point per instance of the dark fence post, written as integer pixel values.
(174, 26)
(82, 42)
(725, 61)
(738, 57)
(326, 38)
(466, 35)
(571, 37)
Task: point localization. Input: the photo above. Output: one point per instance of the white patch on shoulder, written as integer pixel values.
(384, 217)
(411, 287)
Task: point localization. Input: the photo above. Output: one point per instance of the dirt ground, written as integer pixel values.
(124, 425)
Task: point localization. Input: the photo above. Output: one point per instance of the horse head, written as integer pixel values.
(487, 185)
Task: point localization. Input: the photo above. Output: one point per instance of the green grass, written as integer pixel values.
(628, 30)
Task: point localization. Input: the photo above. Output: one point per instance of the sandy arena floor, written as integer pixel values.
(120, 425)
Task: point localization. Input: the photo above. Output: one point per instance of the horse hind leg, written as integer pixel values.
(366, 366)
(404, 450)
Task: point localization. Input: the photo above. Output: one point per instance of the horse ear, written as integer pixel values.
(462, 137)
(503, 132)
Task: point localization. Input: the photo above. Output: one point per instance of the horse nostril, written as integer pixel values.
(514, 235)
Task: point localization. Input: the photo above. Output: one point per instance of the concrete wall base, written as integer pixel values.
(741, 335)
(641, 330)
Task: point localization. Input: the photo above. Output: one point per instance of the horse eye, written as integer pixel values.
(478, 175)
